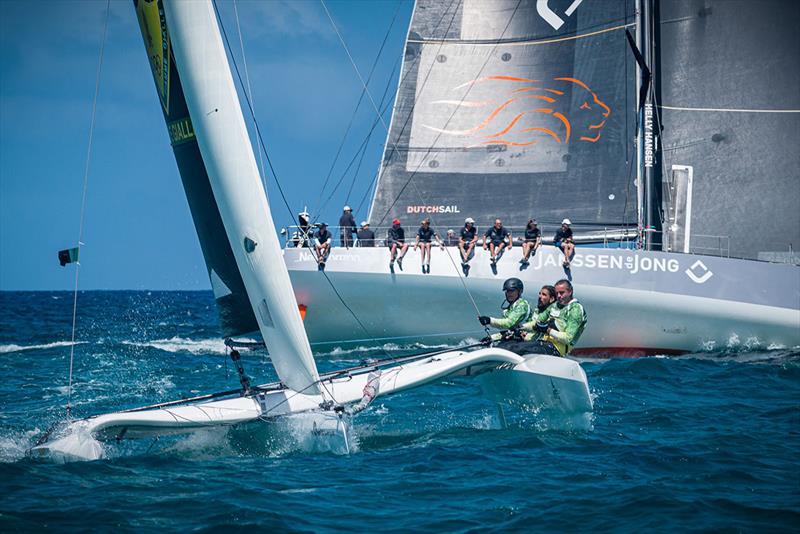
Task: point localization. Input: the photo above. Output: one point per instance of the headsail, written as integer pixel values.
(509, 108)
(218, 129)
(236, 315)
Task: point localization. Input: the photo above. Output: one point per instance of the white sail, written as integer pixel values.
(227, 153)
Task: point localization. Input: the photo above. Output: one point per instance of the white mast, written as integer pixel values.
(228, 156)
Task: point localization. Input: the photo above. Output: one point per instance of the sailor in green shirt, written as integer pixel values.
(561, 324)
(515, 313)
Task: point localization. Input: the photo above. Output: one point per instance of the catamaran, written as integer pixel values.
(222, 181)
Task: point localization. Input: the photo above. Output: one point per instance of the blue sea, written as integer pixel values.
(697, 443)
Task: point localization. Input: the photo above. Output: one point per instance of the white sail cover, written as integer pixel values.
(228, 156)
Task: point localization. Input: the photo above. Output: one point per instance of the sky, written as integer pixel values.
(137, 230)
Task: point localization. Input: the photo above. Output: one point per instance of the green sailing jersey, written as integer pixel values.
(514, 315)
(569, 320)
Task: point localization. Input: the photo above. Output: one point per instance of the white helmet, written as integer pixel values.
(566, 221)
(347, 208)
(469, 220)
(364, 223)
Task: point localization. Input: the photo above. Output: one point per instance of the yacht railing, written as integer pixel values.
(584, 235)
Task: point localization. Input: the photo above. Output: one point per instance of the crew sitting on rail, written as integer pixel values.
(563, 241)
(497, 238)
(561, 324)
(531, 242)
(322, 244)
(396, 239)
(466, 243)
(425, 235)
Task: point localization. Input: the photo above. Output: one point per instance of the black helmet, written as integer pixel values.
(513, 283)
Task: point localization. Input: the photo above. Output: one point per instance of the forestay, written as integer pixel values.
(216, 116)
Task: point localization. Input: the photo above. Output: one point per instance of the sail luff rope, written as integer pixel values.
(249, 90)
(83, 205)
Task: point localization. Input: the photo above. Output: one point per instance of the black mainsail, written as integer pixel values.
(730, 95)
(513, 108)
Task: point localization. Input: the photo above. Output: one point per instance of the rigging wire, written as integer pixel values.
(83, 204)
(252, 114)
(361, 150)
(275, 174)
(352, 62)
(358, 105)
(249, 89)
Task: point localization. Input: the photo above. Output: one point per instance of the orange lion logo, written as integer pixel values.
(527, 112)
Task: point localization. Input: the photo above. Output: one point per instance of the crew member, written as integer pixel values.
(396, 240)
(563, 240)
(347, 227)
(533, 239)
(366, 237)
(496, 239)
(516, 310)
(560, 324)
(322, 244)
(425, 235)
(466, 243)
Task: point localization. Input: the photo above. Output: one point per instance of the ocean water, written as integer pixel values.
(702, 442)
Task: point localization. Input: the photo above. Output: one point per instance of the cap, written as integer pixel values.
(566, 221)
(322, 224)
(469, 220)
(396, 221)
(364, 223)
(533, 221)
(347, 208)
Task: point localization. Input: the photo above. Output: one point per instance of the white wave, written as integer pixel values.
(18, 348)
(179, 344)
(339, 351)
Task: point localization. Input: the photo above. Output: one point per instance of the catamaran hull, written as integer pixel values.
(542, 381)
(638, 302)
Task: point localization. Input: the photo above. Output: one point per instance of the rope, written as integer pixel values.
(355, 111)
(249, 89)
(83, 207)
(253, 115)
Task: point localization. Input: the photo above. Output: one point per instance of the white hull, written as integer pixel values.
(638, 302)
(541, 381)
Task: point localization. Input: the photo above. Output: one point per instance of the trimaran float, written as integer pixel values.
(207, 128)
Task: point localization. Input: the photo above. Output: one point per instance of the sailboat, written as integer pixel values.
(233, 218)
(665, 126)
